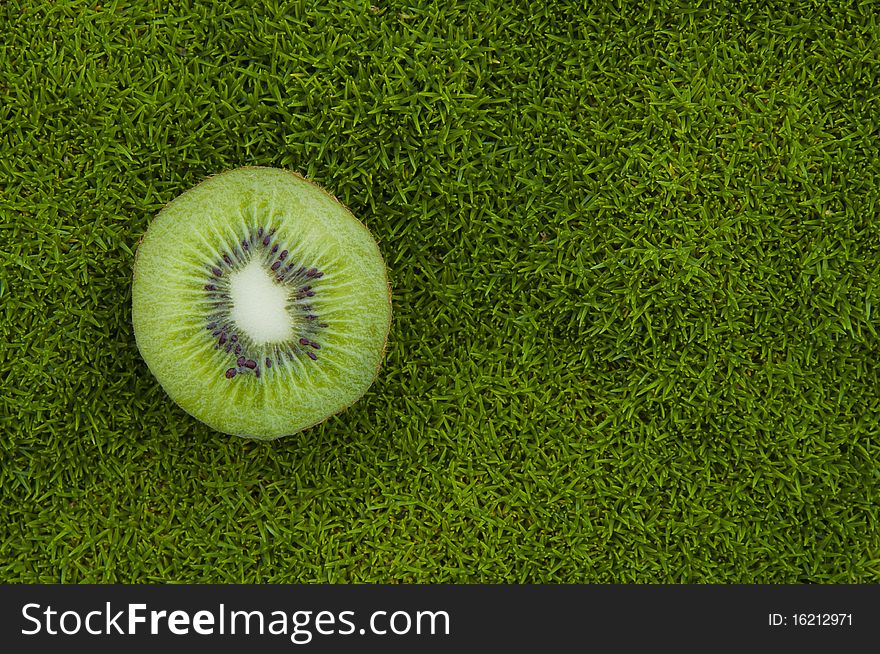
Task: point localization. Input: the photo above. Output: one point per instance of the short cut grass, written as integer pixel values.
(635, 255)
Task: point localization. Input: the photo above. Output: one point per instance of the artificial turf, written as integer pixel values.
(634, 256)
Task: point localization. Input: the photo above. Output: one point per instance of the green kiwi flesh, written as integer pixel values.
(260, 303)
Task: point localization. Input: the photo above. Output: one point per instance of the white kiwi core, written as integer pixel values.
(259, 305)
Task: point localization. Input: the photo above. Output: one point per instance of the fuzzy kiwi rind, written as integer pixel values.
(262, 186)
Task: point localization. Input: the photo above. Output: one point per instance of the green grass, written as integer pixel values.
(635, 254)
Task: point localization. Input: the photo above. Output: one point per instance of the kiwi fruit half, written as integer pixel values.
(260, 303)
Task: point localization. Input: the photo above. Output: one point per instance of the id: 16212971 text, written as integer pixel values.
(810, 620)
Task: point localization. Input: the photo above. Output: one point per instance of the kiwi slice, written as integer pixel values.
(260, 303)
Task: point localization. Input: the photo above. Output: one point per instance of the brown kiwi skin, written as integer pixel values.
(360, 222)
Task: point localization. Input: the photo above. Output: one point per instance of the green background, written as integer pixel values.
(634, 255)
